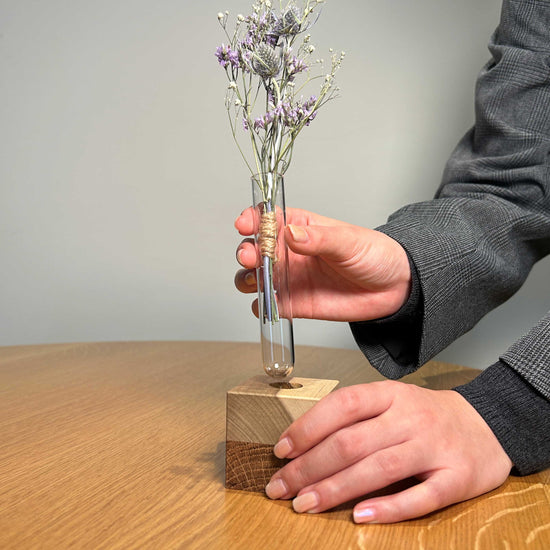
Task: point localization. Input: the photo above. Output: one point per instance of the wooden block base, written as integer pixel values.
(249, 466)
(258, 411)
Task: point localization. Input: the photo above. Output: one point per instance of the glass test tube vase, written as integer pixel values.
(274, 305)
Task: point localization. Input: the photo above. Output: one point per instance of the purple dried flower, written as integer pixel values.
(292, 118)
(295, 66)
(248, 41)
(227, 56)
(310, 117)
(234, 58)
(261, 51)
(272, 39)
(310, 102)
(245, 58)
(308, 113)
(280, 109)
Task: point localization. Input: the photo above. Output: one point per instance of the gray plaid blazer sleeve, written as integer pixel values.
(474, 244)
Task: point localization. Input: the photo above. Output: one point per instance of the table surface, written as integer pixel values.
(121, 445)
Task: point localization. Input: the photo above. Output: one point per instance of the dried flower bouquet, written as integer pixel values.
(270, 63)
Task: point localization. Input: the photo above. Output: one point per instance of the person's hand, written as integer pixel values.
(363, 438)
(338, 271)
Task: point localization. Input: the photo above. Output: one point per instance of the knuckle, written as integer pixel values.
(436, 494)
(390, 388)
(390, 464)
(351, 401)
(330, 494)
(296, 476)
(418, 421)
(347, 446)
(394, 387)
(424, 416)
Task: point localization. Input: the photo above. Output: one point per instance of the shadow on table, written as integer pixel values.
(210, 464)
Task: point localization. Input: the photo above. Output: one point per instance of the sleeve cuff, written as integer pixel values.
(518, 415)
(391, 344)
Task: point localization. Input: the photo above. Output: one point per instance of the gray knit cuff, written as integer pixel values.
(518, 415)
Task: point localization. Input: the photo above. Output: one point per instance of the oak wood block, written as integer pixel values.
(258, 411)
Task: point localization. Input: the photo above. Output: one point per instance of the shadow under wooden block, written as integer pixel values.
(258, 412)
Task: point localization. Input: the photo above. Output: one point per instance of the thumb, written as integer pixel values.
(334, 243)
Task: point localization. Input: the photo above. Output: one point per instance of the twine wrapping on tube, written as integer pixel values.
(267, 236)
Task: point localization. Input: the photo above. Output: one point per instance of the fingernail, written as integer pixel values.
(306, 502)
(276, 489)
(239, 255)
(364, 515)
(299, 234)
(283, 448)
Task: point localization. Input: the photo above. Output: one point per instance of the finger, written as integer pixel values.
(433, 494)
(337, 410)
(245, 280)
(339, 243)
(247, 254)
(247, 223)
(375, 472)
(299, 216)
(337, 452)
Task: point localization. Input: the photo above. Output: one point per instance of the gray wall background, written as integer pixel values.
(120, 182)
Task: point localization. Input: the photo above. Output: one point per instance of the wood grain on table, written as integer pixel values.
(121, 445)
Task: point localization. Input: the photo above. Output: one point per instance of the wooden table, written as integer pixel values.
(121, 445)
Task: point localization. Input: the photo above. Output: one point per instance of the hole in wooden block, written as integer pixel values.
(286, 385)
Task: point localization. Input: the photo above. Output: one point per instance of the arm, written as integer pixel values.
(475, 243)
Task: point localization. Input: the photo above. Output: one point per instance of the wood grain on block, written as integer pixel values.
(249, 466)
(258, 412)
